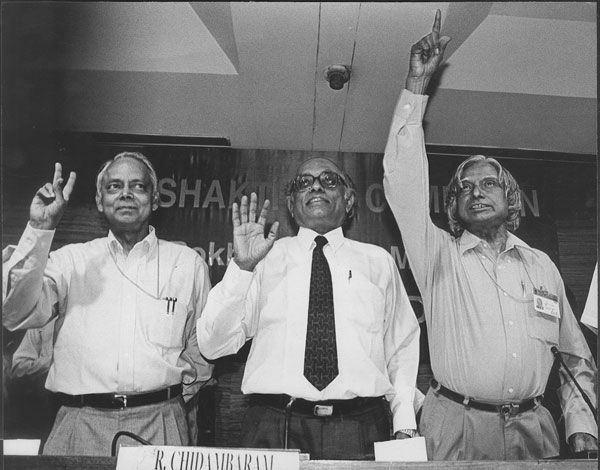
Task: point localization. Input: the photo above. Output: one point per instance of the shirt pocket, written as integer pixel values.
(364, 304)
(542, 327)
(163, 322)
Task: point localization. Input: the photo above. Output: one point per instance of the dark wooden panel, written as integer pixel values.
(109, 463)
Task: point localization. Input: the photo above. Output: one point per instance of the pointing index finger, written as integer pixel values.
(437, 23)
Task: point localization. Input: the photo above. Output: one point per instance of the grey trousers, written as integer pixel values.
(90, 431)
(455, 432)
(347, 437)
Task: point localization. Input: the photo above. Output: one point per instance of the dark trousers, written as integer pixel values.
(345, 437)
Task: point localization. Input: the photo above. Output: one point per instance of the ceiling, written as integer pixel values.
(519, 74)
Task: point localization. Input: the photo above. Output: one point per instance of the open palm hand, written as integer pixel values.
(249, 242)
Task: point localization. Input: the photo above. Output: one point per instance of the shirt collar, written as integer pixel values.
(469, 241)
(146, 245)
(306, 238)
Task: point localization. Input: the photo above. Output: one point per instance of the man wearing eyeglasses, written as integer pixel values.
(335, 340)
(494, 306)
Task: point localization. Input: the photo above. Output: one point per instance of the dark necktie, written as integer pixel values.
(320, 356)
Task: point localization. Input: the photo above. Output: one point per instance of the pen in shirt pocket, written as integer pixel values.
(349, 275)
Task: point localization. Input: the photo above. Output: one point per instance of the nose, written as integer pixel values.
(316, 182)
(126, 191)
(476, 191)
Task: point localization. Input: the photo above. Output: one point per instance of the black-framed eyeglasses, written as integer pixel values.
(327, 179)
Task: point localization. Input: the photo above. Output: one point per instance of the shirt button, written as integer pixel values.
(510, 390)
(510, 322)
(514, 354)
(406, 106)
(505, 294)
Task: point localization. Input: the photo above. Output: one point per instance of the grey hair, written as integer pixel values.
(136, 156)
(508, 183)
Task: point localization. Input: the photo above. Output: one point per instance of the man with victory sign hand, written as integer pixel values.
(125, 356)
(335, 342)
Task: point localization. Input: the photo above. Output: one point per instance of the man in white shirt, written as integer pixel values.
(125, 353)
(589, 317)
(335, 340)
(494, 306)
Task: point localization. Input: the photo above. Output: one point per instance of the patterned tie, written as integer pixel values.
(320, 356)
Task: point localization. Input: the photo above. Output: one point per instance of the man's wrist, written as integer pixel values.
(417, 85)
(408, 432)
(41, 225)
(244, 266)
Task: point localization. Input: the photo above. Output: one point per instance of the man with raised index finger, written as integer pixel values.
(335, 342)
(125, 356)
(494, 306)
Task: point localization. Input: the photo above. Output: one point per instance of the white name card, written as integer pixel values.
(21, 446)
(401, 450)
(205, 458)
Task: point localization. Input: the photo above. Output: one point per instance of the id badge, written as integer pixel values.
(545, 303)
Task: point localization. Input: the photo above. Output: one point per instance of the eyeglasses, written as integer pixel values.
(327, 179)
(485, 185)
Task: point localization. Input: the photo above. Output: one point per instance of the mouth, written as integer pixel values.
(126, 208)
(478, 207)
(317, 200)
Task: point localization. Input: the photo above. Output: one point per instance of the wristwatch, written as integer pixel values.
(408, 432)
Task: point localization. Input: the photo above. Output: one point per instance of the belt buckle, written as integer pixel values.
(323, 410)
(511, 409)
(122, 399)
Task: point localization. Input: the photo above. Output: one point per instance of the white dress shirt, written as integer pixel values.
(376, 329)
(486, 339)
(589, 317)
(34, 355)
(117, 334)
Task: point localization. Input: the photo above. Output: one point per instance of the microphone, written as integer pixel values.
(587, 400)
(113, 447)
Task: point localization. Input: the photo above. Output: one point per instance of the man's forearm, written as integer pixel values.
(415, 85)
(28, 296)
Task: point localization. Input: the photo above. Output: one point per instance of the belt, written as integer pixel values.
(507, 409)
(315, 408)
(117, 401)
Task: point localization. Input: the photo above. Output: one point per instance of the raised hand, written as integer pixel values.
(249, 242)
(50, 201)
(426, 56)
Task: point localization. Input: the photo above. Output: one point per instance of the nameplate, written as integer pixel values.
(205, 458)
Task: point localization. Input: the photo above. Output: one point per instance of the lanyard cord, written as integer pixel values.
(156, 297)
(516, 299)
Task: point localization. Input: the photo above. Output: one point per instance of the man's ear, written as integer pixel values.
(349, 200)
(290, 204)
(155, 201)
(99, 203)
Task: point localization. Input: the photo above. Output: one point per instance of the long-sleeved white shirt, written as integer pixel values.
(115, 334)
(589, 317)
(486, 339)
(376, 329)
(34, 355)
